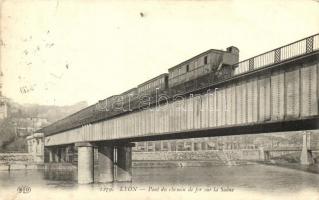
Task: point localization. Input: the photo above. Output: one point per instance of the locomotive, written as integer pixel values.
(195, 73)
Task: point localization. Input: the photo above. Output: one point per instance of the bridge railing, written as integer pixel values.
(298, 48)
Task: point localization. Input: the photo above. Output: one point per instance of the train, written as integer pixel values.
(197, 72)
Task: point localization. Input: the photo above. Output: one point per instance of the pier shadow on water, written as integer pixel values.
(60, 172)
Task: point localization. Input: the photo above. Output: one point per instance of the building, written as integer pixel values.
(27, 126)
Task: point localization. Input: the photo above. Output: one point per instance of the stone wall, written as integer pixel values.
(15, 158)
(223, 155)
(178, 155)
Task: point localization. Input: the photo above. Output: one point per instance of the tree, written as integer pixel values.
(7, 133)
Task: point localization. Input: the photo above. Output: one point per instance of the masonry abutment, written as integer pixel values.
(106, 164)
(124, 163)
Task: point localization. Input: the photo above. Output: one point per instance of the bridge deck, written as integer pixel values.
(280, 97)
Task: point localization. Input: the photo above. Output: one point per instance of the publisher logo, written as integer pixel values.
(23, 189)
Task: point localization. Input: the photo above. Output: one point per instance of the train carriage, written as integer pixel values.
(158, 85)
(202, 70)
(128, 98)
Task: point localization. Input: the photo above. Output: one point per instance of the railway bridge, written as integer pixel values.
(272, 92)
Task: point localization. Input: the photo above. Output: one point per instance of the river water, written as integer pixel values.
(259, 178)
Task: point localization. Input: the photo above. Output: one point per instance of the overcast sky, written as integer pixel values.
(69, 51)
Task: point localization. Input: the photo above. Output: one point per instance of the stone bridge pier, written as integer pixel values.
(114, 161)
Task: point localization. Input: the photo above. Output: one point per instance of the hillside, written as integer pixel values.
(18, 114)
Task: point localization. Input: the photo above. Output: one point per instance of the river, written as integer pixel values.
(258, 178)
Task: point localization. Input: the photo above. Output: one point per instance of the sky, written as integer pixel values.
(63, 52)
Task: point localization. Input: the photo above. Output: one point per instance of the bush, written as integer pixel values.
(7, 133)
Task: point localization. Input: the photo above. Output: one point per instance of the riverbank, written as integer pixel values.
(314, 168)
(18, 161)
(20, 166)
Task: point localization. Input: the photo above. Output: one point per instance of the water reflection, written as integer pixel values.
(60, 172)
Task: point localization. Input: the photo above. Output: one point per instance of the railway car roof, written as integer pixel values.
(197, 56)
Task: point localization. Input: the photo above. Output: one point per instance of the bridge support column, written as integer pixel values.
(106, 164)
(192, 144)
(267, 155)
(56, 155)
(62, 155)
(162, 145)
(85, 163)
(204, 145)
(67, 156)
(153, 146)
(306, 155)
(145, 146)
(124, 162)
(197, 146)
(169, 146)
(262, 156)
(48, 155)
